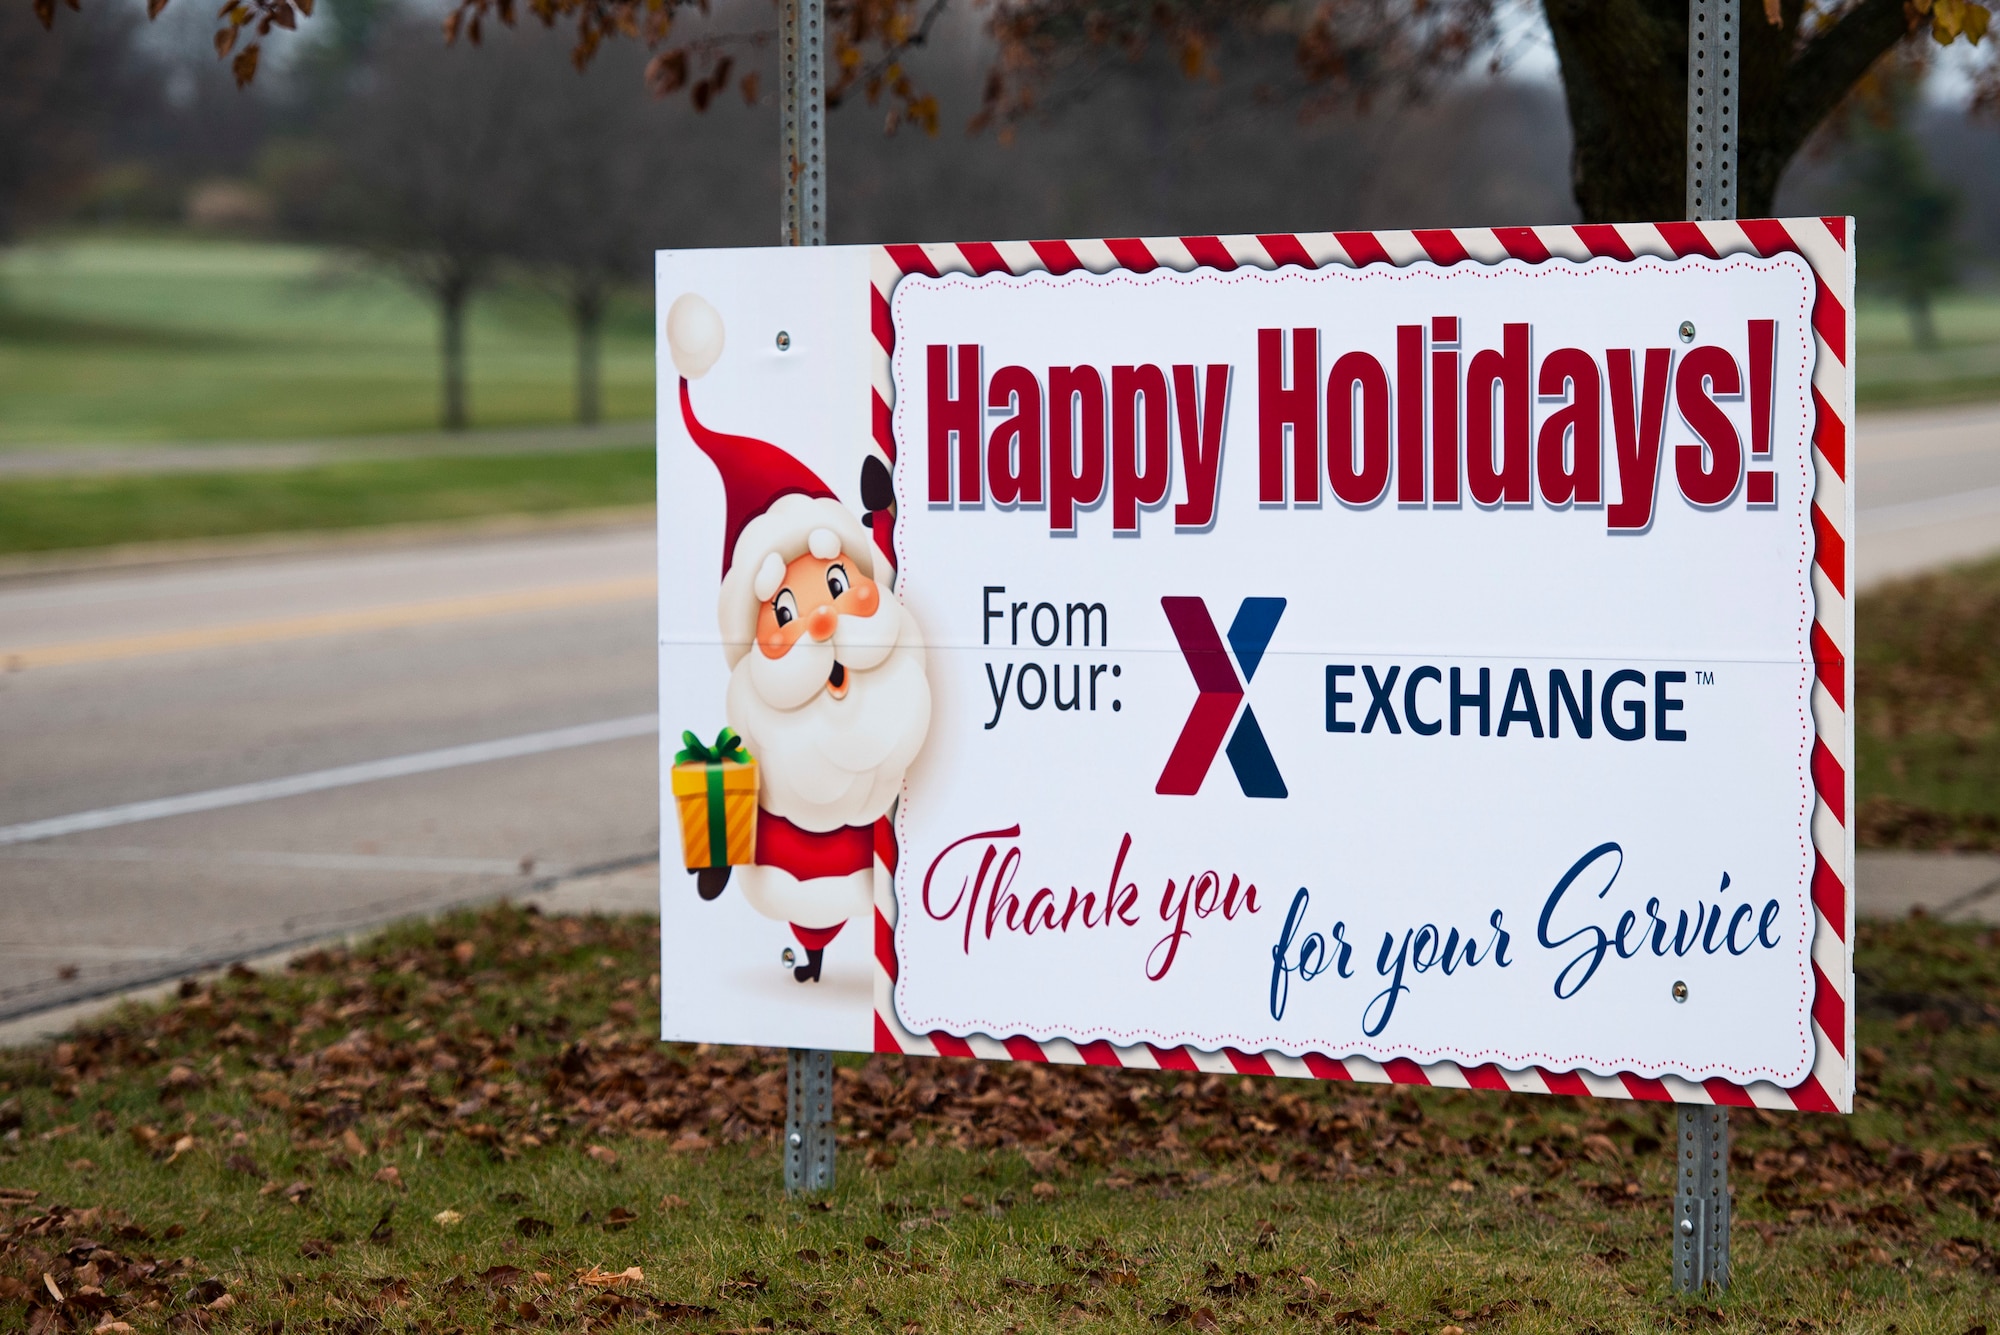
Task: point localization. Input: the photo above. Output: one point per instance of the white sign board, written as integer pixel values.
(1373, 656)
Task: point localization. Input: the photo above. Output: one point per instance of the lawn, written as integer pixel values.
(132, 338)
(137, 338)
(1927, 726)
(468, 1127)
(90, 510)
(1892, 372)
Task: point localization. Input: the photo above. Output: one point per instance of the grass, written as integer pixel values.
(49, 513)
(468, 1127)
(1893, 372)
(138, 338)
(1927, 725)
(132, 338)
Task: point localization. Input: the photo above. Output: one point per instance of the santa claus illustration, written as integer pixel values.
(827, 686)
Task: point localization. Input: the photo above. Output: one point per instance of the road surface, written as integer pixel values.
(502, 691)
(1928, 491)
(209, 760)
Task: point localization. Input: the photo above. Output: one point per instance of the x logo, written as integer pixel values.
(1221, 692)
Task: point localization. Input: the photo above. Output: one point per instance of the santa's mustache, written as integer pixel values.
(858, 644)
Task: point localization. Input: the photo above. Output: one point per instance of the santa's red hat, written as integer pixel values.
(774, 506)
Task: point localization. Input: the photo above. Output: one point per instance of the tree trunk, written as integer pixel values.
(452, 297)
(586, 312)
(1624, 72)
(1923, 328)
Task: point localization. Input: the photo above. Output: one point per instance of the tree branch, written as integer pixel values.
(1831, 63)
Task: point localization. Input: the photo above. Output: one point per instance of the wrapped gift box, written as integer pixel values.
(715, 791)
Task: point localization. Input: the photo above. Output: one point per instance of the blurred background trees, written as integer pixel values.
(1913, 252)
(481, 176)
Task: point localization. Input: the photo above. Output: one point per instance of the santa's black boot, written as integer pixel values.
(710, 881)
(809, 971)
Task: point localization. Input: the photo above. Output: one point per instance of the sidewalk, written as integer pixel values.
(202, 456)
(1958, 887)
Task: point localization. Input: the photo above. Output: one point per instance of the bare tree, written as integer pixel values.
(56, 98)
(432, 181)
(597, 155)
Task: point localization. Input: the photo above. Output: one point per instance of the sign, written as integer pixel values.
(1382, 656)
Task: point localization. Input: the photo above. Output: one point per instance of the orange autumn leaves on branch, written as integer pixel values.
(868, 40)
(1345, 49)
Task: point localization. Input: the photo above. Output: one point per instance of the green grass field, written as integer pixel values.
(1927, 723)
(469, 1127)
(55, 513)
(1892, 372)
(162, 338)
(137, 338)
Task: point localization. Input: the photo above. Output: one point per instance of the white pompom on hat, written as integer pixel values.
(694, 335)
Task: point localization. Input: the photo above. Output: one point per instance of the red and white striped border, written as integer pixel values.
(1824, 244)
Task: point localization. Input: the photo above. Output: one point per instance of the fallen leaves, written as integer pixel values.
(447, 1219)
(1180, 1314)
(375, 1056)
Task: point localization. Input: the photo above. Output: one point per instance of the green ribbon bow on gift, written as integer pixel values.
(728, 746)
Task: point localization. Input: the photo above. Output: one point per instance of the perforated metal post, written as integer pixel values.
(1713, 45)
(1701, 1200)
(808, 1121)
(802, 109)
(1701, 1149)
(802, 117)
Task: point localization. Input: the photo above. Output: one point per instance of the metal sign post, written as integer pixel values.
(1701, 1149)
(802, 113)
(1713, 41)
(802, 109)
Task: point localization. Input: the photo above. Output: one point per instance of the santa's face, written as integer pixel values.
(814, 595)
(832, 697)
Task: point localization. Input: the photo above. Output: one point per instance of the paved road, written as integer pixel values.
(1929, 490)
(124, 688)
(471, 718)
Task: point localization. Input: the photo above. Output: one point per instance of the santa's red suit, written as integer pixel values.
(829, 769)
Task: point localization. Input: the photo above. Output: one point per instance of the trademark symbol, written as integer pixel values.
(1702, 678)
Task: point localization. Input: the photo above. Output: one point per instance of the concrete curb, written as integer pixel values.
(629, 885)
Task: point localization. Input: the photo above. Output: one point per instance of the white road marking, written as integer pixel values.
(341, 776)
(361, 862)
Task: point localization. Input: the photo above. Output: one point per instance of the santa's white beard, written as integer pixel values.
(832, 762)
